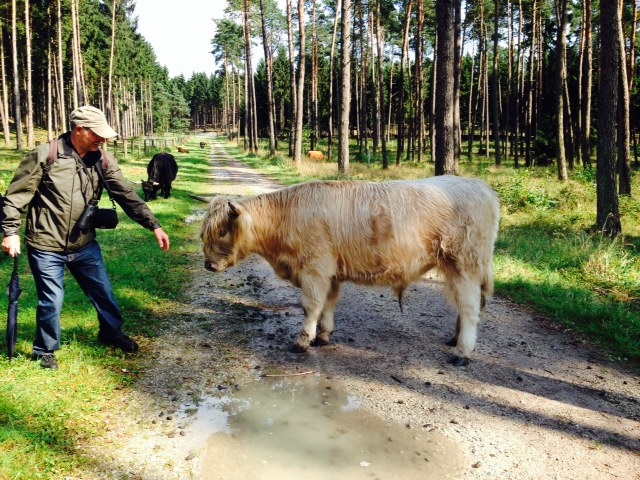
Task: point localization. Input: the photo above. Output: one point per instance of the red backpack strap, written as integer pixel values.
(53, 151)
(105, 159)
(53, 154)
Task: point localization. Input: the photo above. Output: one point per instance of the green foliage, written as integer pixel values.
(517, 194)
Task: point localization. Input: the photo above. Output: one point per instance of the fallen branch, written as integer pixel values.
(201, 198)
(287, 374)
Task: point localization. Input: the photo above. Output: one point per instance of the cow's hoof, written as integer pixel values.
(319, 342)
(295, 348)
(452, 343)
(459, 361)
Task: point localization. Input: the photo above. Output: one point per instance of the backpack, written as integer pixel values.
(53, 154)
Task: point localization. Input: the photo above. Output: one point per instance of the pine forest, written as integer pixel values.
(529, 82)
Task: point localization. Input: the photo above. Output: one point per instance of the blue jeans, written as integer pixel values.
(87, 267)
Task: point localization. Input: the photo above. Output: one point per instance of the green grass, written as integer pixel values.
(547, 257)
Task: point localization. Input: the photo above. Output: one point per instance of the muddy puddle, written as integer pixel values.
(309, 428)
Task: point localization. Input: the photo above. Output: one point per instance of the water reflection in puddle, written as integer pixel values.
(308, 428)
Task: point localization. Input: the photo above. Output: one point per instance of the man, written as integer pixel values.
(55, 195)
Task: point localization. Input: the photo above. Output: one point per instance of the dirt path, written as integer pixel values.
(535, 402)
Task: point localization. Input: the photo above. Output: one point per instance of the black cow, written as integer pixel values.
(162, 170)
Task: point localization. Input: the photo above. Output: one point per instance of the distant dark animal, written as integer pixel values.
(320, 234)
(316, 155)
(182, 150)
(162, 171)
(203, 144)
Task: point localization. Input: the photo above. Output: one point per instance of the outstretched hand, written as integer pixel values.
(11, 245)
(163, 239)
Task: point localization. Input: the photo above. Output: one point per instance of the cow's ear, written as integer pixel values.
(235, 208)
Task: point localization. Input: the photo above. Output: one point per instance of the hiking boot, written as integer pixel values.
(124, 343)
(47, 360)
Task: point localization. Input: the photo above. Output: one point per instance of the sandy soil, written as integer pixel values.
(536, 402)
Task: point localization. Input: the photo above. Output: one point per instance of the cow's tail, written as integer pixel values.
(487, 279)
(400, 294)
(486, 285)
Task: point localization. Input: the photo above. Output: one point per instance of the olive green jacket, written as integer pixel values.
(56, 195)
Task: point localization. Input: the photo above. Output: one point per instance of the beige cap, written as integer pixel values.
(93, 119)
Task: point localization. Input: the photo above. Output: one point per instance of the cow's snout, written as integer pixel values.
(214, 267)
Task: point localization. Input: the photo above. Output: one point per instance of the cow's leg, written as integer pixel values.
(326, 325)
(466, 294)
(454, 340)
(486, 289)
(315, 291)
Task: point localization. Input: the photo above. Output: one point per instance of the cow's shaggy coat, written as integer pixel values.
(320, 234)
(316, 155)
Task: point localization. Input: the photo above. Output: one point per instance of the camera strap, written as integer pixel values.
(100, 166)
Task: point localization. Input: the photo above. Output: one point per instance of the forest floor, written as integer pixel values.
(536, 401)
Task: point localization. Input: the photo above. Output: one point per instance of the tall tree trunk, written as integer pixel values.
(608, 213)
(228, 120)
(509, 124)
(457, 73)
(251, 116)
(470, 110)
(445, 161)
(434, 93)
(624, 136)
(50, 133)
(297, 151)
(631, 76)
(4, 102)
(16, 77)
(345, 91)
(292, 72)
(29, 88)
(331, 80)
(236, 105)
(314, 78)
(518, 92)
(62, 106)
(367, 31)
(78, 84)
(401, 81)
(269, 64)
(495, 101)
(419, 81)
(109, 109)
(530, 107)
(484, 100)
(561, 77)
(381, 108)
(361, 100)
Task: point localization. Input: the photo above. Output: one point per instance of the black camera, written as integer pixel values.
(105, 218)
(85, 222)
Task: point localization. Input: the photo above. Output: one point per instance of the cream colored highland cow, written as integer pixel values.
(320, 234)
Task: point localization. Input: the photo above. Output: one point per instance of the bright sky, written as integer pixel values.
(180, 34)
